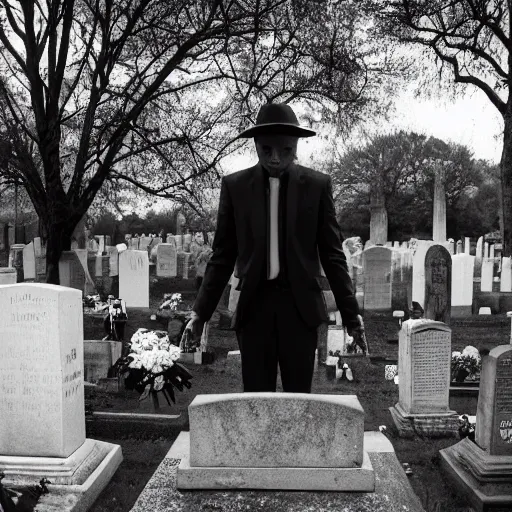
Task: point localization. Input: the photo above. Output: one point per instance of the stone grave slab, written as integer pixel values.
(71, 271)
(487, 275)
(166, 260)
(438, 284)
(424, 380)
(506, 275)
(134, 278)
(462, 284)
(377, 278)
(392, 489)
(418, 271)
(29, 262)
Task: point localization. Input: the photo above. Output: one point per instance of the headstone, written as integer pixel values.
(487, 275)
(114, 260)
(166, 260)
(377, 278)
(258, 441)
(482, 470)
(479, 249)
(418, 272)
(459, 247)
(71, 271)
(187, 240)
(144, 242)
(399, 298)
(396, 245)
(467, 245)
(179, 242)
(404, 245)
(7, 275)
(438, 284)
(98, 267)
(101, 244)
(38, 249)
(133, 244)
(462, 284)
(42, 427)
(388, 244)
(485, 310)
(491, 251)
(90, 287)
(451, 246)
(506, 274)
(42, 406)
(486, 250)
(16, 260)
(424, 380)
(336, 338)
(134, 278)
(29, 262)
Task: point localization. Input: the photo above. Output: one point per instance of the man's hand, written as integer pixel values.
(195, 326)
(358, 333)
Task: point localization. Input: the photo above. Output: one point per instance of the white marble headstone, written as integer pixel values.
(377, 278)
(134, 278)
(42, 400)
(462, 279)
(418, 272)
(29, 262)
(506, 274)
(487, 275)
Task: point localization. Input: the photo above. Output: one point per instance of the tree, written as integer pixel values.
(149, 92)
(472, 46)
(399, 169)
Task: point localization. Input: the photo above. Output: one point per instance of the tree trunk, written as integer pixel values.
(506, 182)
(59, 239)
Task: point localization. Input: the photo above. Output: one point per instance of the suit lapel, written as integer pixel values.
(295, 188)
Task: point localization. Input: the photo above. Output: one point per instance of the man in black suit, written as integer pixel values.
(276, 223)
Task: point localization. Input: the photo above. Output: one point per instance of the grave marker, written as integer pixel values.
(462, 284)
(424, 369)
(377, 278)
(166, 260)
(487, 275)
(134, 278)
(29, 262)
(506, 274)
(7, 275)
(71, 271)
(438, 284)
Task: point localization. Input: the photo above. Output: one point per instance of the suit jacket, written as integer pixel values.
(312, 236)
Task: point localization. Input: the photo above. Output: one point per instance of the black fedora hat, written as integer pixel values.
(276, 118)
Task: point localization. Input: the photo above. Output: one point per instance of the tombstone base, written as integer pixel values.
(76, 481)
(273, 478)
(461, 311)
(427, 425)
(485, 480)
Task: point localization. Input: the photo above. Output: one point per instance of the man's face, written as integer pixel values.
(276, 152)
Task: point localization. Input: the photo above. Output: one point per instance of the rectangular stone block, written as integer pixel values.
(166, 260)
(134, 278)
(41, 368)
(377, 278)
(278, 430)
(424, 367)
(8, 275)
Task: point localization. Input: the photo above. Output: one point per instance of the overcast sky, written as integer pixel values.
(471, 120)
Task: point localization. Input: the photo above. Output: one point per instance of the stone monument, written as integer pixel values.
(482, 470)
(424, 370)
(438, 284)
(166, 260)
(377, 278)
(134, 278)
(42, 432)
(439, 214)
(462, 284)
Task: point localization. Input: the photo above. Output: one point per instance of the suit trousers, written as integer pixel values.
(273, 333)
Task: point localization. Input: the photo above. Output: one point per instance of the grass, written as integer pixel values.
(144, 449)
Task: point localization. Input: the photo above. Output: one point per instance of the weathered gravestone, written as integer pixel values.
(90, 287)
(113, 265)
(328, 453)
(418, 271)
(506, 274)
(42, 431)
(16, 260)
(7, 275)
(462, 284)
(134, 278)
(29, 262)
(144, 242)
(482, 470)
(438, 284)
(166, 260)
(377, 278)
(401, 279)
(487, 275)
(187, 240)
(71, 271)
(424, 370)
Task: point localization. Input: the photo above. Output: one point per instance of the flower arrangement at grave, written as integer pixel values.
(466, 364)
(171, 301)
(151, 366)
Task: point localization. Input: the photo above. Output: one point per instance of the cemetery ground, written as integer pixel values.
(145, 444)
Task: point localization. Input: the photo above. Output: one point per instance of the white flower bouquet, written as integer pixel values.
(151, 365)
(466, 364)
